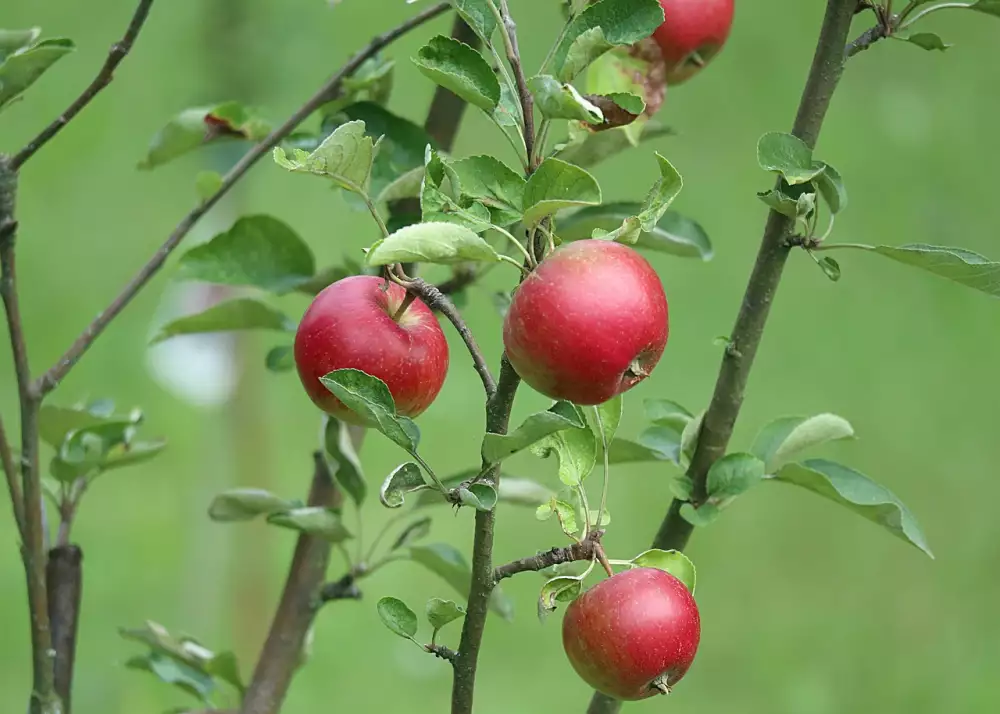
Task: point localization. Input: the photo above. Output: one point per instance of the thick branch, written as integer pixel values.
(51, 379)
(436, 300)
(585, 550)
(297, 609)
(64, 576)
(115, 56)
(717, 426)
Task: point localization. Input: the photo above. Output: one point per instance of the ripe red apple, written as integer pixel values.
(693, 32)
(633, 635)
(588, 324)
(353, 324)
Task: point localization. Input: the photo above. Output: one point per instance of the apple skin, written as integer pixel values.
(349, 325)
(588, 324)
(631, 630)
(692, 26)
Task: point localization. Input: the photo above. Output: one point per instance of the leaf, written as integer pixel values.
(673, 233)
(23, 67)
(369, 397)
(831, 187)
(56, 423)
(563, 588)
(481, 496)
(925, 40)
(661, 195)
(259, 250)
(402, 145)
(404, 479)
(461, 69)
(406, 185)
(620, 22)
(207, 184)
(561, 415)
(670, 561)
(131, 453)
(990, 7)
(343, 459)
(666, 412)
(199, 126)
(611, 417)
(556, 100)
(445, 561)
(171, 671)
(700, 517)
(664, 440)
(432, 242)
(397, 617)
(830, 267)
(857, 492)
(487, 179)
(689, 438)
(13, 40)
(280, 359)
(564, 512)
(345, 156)
(623, 451)
(226, 667)
(958, 264)
(238, 314)
(576, 450)
(478, 16)
(682, 487)
(314, 520)
(586, 148)
(784, 439)
(514, 490)
(440, 612)
(556, 185)
(732, 476)
(413, 532)
(789, 156)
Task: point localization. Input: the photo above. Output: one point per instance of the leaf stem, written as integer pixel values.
(509, 32)
(934, 8)
(855, 246)
(607, 467)
(373, 210)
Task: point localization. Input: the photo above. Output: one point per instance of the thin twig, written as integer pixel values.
(64, 578)
(717, 425)
(442, 652)
(344, 589)
(11, 472)
(584, 550)
(118, 52)
(866, 40)
(48, 381)
(527, 100)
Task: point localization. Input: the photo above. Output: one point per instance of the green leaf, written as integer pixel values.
(587, 148)
(404, 479)
(478, 15)
(207, 184)
(564, 588)
(601, 26)
(513, 489)
(624, 451)
(561, 415)
(459, 68)
(489, 180)
(666, 412)
(433, 242)
(576, 450)
(369, 397)
(556, 185)
(178, 673)
(784, 439)
(401, 148)
(56, 423)
(682, 487)
(406, 185)
(831, 187)
(343, 459)
(700, 517)
(226, 667)
(664, 440)
(445, 561)
(440, 612)
(22, 67)
(857, 492)
(673, 233)
(689, 438)
(280, 359)
(925, 40)
(830, 267)
(670, 561)
(556, 100)
(13, 40)
(732, 476)
(481, 496)
(990, 7)
(314, 520)
(564, 513)
(200, 126)
(238, 314)
(345, 156)
(413, 532)
(397, 617)
(661, 195)
(963, 266)
(789, 156)
(611, 417)
(131, 453)
(372, 81)
(259, 250)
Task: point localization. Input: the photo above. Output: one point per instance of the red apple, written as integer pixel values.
(588, 324)
(693, 32)
(353, 324)
(633, 635)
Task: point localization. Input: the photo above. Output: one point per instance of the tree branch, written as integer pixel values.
(344, 589)
(118, 52)
(436, 300)
(299, 604)
(717, 425)
(10, 472)
(64, 579)
(867, 39)
(584, 550)
(48, 381)
(527, 101)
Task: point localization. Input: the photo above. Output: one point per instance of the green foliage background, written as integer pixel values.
(807, 609)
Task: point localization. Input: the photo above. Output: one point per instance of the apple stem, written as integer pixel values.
(696, 59)
(602, 558)
(407, 301)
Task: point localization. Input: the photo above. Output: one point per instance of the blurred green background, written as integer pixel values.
(807, 609)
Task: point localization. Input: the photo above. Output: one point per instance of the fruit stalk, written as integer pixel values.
(737, 361)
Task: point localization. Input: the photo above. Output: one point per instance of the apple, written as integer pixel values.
(589, 323)
(633, 635)
(693, 32)
(354, 324)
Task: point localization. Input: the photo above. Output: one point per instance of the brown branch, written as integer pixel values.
(118, 52)
(439, 302)
(10, 472)
(344, 589)
(47, 382)
(442, 652)
(299, 604)
(584, 550)
(866, 40)
(527, 100)
(64, 578)
(717, 425)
